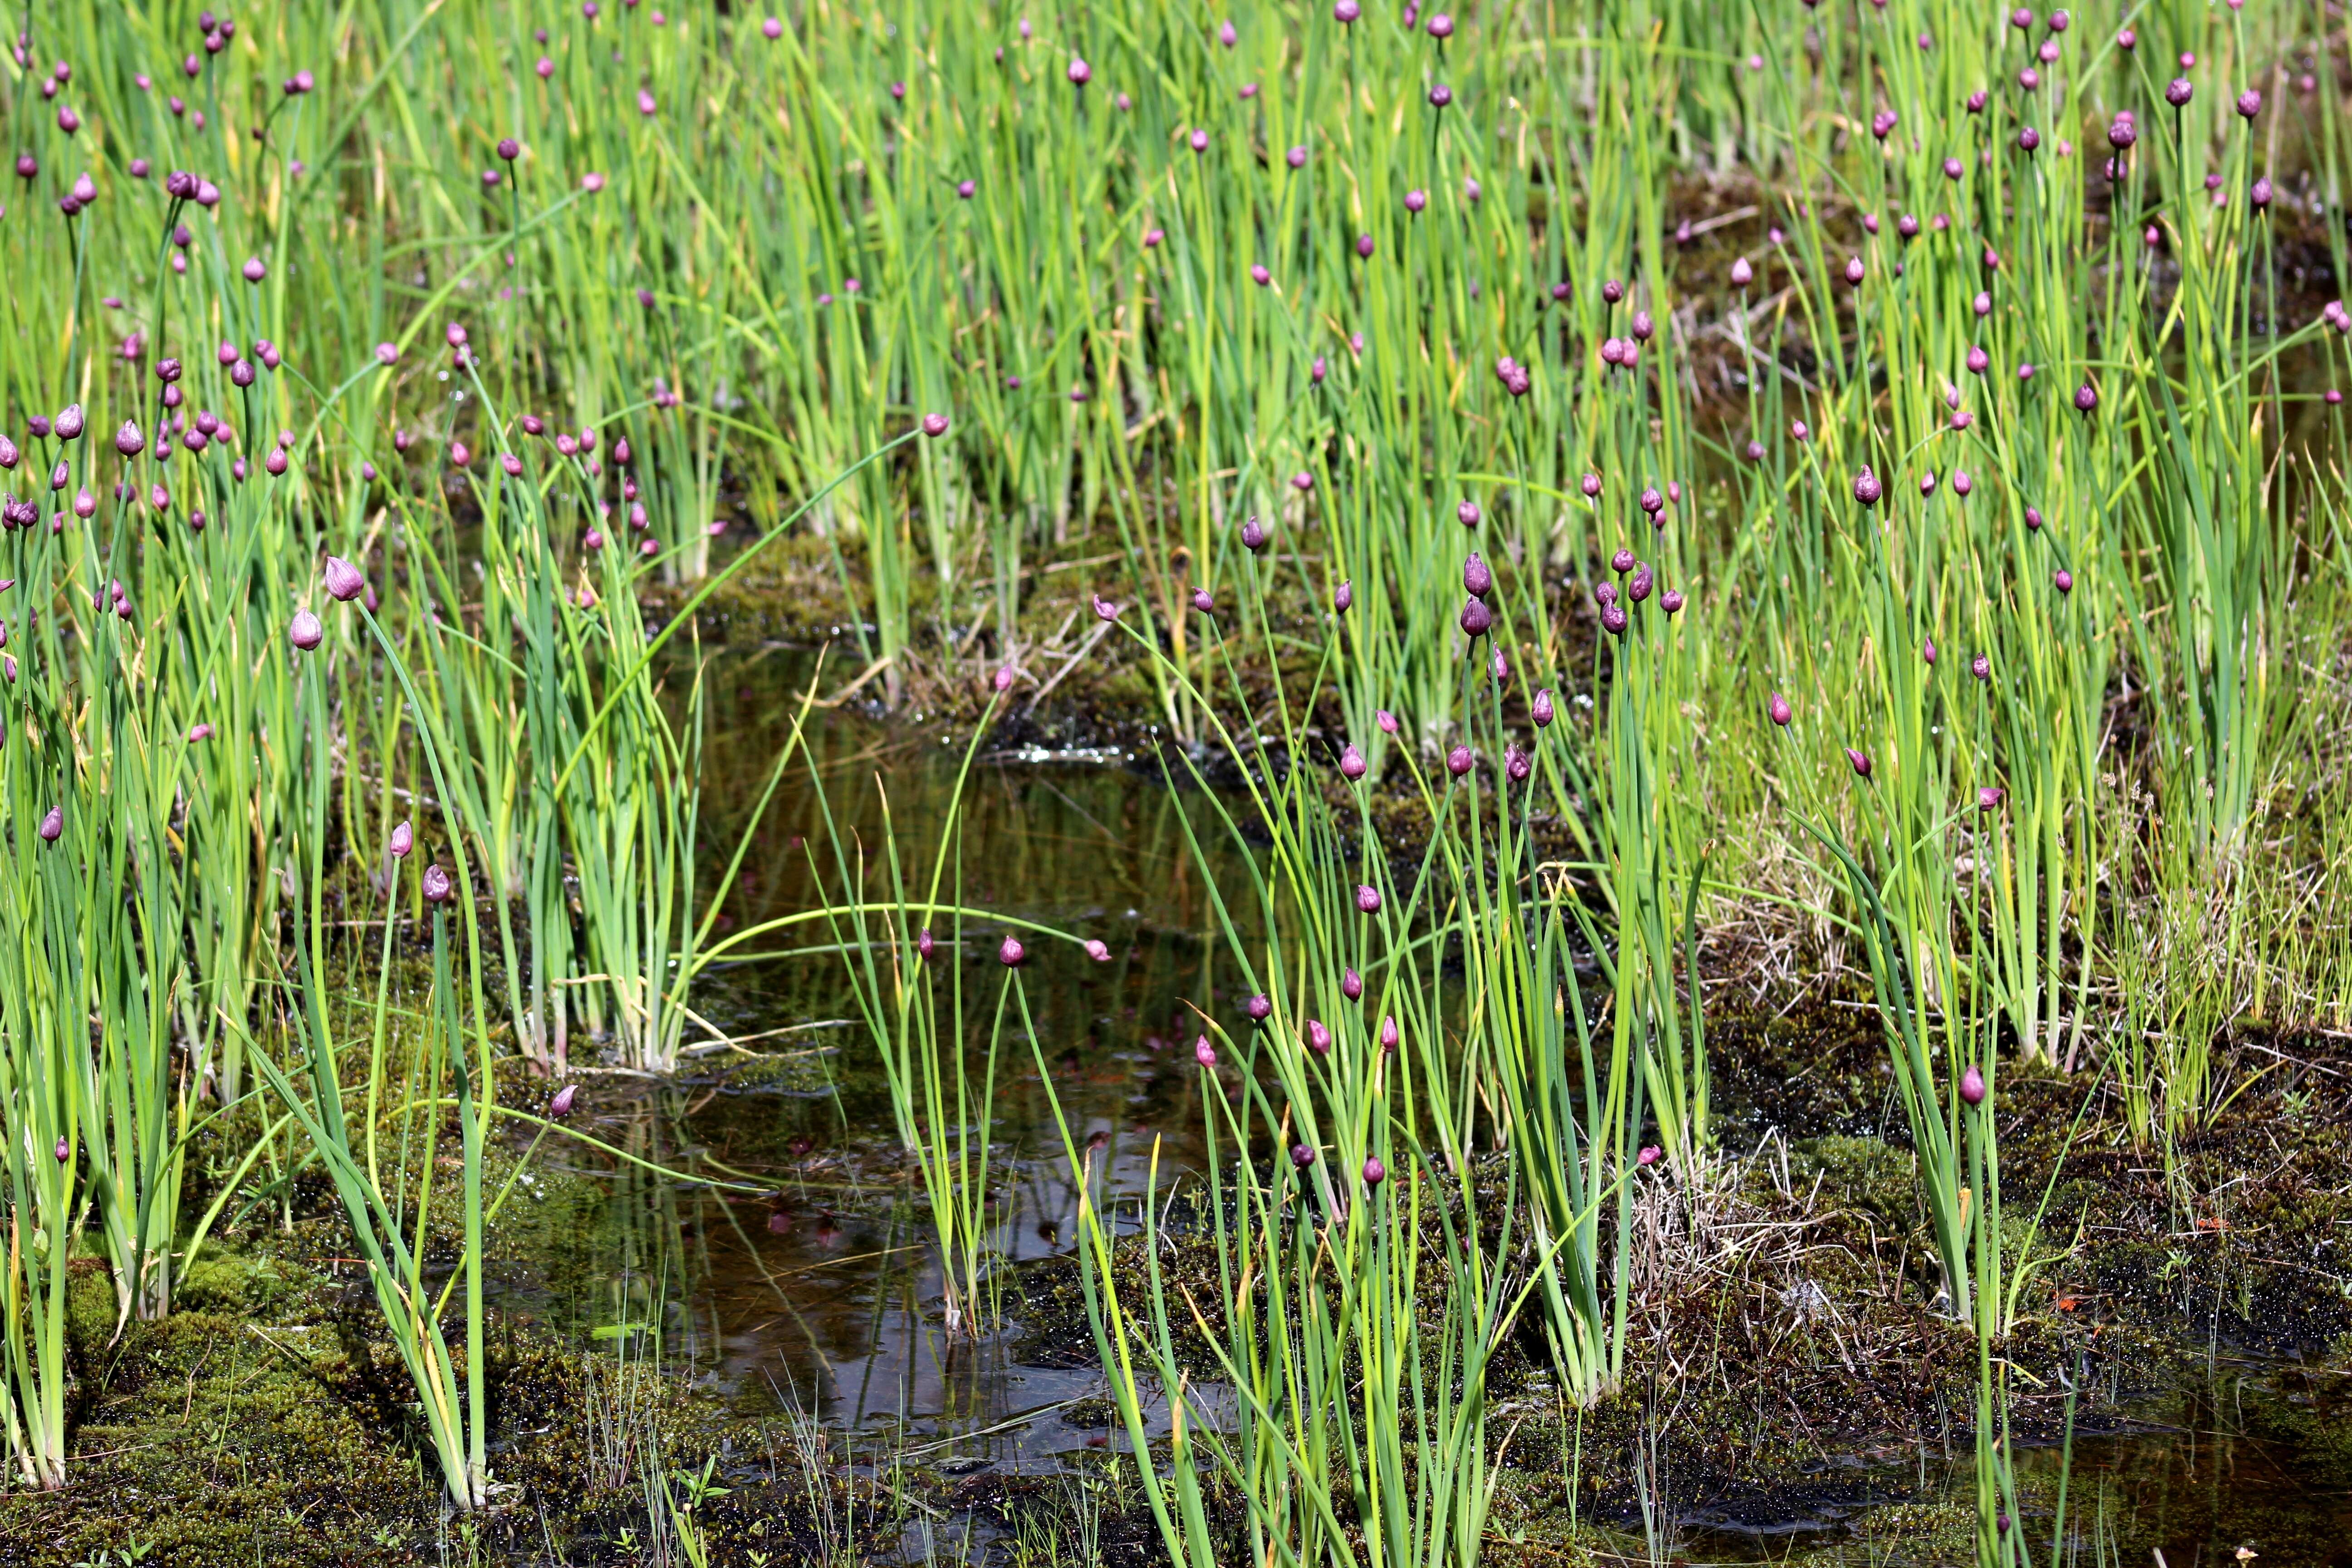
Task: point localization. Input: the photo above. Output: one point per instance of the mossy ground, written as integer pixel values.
(1785, 1360)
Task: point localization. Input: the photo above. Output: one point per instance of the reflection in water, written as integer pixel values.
(826, 1295)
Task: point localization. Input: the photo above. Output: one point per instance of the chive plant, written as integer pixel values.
(896, 969)
(1344, 1131)
(390, 1223)
(1291, 314)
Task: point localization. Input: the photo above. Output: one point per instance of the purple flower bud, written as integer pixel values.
(1386, 721)
(1516, 764)
(2179, 91)
(935, 426)
(1080, 73)
(1352, 985)
(1613, 619)
(1962, 483)
(2122, 133)
(1475, 577)
(1010, 952)
(1001, 681)
(1202, 602)
(1097, 950)
(1318, 1038)
(2032, 519)
(2260, 195)
(199, 732)
(85, 505)
(305, 632)
(2086, 397)
(404, 839)
(1671, 601)
(1477, 620)
(1204, 1053)
(53, 825)
(1344, 11)
(1854, 271)
(65, 1150)
(1649, 1155)
(1364, 246)
(1368, 899)
(924, 944)
(1860, 760)
(1982, 304)
(1972, 1085)
(2064, 579)
(1927, 483)
(8, 453)
(645, 105)
(343, 580)
(560, 1106)
(1867, 488)
(2250, 103)
(1638, 587)
(1104, 609)
(1302, 1156)
(1351, 763)
(1988, 797)
(1199, 141)
(1388, 1036)
(1467, 513)
(1374, 1172)
(1980, 667)
(1440, 96)
(436, 886)
(128, 441)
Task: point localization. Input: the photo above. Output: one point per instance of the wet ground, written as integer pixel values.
(2215, 1413)
(824, 1297)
